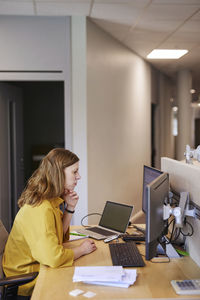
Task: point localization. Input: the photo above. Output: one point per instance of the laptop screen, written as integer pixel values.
(116, 216)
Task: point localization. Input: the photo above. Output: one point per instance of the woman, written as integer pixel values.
(40, 227)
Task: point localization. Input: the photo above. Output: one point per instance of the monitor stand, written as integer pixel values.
(171, 252)
(166, 248)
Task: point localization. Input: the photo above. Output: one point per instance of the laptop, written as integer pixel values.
(114, 221)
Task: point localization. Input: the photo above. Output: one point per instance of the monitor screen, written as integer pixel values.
(149, 174)
(157, 194)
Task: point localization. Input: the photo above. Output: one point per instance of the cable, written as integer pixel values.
(177, 234)
(88, 216)
(172, 232)
(192, 229)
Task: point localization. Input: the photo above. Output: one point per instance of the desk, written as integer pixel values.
(153, 280)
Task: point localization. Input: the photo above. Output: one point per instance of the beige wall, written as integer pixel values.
(118, 121)
(165, 141)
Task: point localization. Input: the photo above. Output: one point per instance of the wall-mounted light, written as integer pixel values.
(166, 53)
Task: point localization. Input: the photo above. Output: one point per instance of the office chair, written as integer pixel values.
(9, 285)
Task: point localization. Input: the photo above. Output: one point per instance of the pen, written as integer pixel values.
(78, 234)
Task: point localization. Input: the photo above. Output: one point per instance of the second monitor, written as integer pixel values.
(149, 175)
(156, 196)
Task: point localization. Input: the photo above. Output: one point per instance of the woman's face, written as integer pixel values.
(71, 176)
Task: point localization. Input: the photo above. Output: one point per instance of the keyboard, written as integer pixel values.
(131, 237)
(101, 231)
(126, 255)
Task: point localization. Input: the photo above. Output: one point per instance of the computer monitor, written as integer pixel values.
(157, 194)
(149, 174)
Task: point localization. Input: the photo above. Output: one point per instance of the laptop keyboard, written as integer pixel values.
(126, 255)
(101, 231)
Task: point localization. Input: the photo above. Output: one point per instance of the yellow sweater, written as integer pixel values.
(36, 238)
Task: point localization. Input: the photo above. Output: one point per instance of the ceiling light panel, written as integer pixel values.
(166, 53)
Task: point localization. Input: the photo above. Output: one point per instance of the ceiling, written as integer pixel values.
(141, 25)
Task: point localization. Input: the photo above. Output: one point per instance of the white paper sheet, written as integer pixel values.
(127, 279)
(107, 275)
(101, 273)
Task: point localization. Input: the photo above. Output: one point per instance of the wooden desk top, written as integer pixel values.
(153, 280)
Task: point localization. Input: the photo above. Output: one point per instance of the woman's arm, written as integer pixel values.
(71, 199)
(46, 247)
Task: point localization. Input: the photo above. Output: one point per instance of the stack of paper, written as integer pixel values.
(108, 275)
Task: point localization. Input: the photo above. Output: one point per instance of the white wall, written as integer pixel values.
(79, 109)
(33, 43)
(119, 109)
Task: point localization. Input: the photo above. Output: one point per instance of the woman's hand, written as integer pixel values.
(71, 199)
(86, 247)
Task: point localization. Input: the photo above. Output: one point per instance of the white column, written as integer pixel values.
(184, 84)
(79, 109)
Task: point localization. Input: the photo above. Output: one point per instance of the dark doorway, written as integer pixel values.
(43, 122)
(197, 132)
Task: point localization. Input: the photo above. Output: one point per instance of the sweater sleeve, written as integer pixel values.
(46, 248)
(66, 236)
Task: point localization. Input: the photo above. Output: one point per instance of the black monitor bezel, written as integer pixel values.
(151, 243)
(156, 172)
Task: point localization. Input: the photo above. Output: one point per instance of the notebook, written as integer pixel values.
(114, 220)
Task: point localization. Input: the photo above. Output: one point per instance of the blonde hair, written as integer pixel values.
(47, 181)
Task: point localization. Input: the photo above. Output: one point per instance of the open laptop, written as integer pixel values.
(114, 220)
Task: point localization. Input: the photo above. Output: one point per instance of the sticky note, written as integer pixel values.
(89, 294)
(76, 292)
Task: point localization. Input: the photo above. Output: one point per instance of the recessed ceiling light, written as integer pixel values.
(166, 53)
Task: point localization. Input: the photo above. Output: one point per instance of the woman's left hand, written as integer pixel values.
(71, 199)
